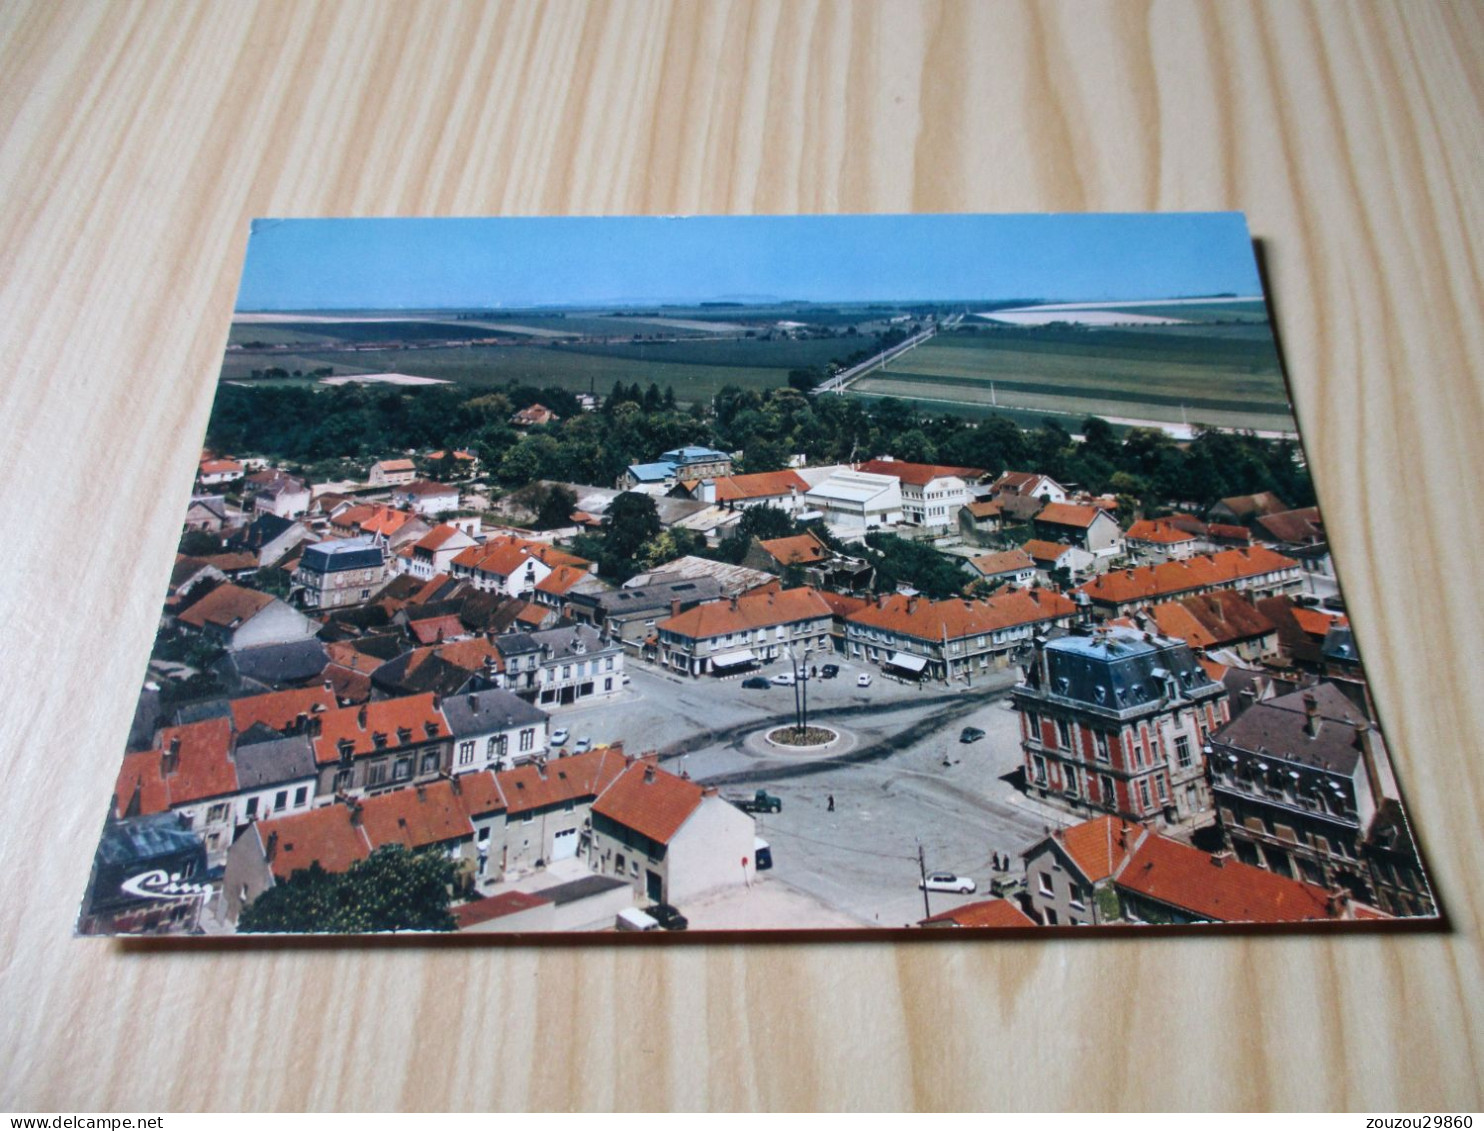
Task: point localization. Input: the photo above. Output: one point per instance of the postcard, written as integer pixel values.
(779, 574)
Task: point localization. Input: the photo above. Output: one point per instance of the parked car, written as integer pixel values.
(759, 801)
(830, 671)
(784, 679)
(1003, 887)
(1335, 604)
(582, 745)
(758, 682)
(863, 680)
(970, 734)
(947, 881)
(667, 917)
(559, 737)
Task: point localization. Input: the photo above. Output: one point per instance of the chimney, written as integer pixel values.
(301, 723)
(648, 775)
(708, 490)
(734, 602)
(170, 757)
(1311, 713)
(674, 606)
(270, 850)
(1222, 858)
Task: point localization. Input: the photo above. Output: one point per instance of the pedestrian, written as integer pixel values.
(829, 803)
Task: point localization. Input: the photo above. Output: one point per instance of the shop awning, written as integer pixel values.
(733, 659)
(907, 662)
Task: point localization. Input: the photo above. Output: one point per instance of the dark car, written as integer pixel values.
(759, 682)
(667, 917)
(970, 734)
(830, 671)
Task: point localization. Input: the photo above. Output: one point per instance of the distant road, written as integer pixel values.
(839, 382)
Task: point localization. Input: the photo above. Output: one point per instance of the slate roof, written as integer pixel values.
(140, 839)
(1280, 727)
(341, 554)
(270, 664)
(658, 594)
(483, 711)
(261, 765)
(1118, 669)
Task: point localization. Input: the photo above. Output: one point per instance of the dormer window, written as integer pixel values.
(346, 748)
(378, 739)
(404, 735)
(431, 728)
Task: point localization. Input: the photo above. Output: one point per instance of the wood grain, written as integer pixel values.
(139, 140)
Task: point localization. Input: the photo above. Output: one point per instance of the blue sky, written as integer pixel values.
(598, 261)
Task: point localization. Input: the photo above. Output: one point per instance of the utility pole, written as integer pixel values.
(927, 911)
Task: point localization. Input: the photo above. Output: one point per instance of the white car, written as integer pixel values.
(784, 679)
(583, 745)
(559, 737)
(947, 881)
(863, 680)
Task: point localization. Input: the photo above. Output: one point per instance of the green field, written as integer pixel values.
(1215, 379)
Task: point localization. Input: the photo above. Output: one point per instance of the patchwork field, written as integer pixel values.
(1150, 375)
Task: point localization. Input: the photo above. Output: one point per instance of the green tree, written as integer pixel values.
(391, 890)
(555, 506)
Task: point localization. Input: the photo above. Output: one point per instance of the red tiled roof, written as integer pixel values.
(800, 549)
(415, 817)
(1159, 531)
(347, 684)
(650, 801)
(1317, 623)
(554, 557)
(561, 579)
(230, 563)
(1069, 514)
(984, 913)
(918, 474)
(499, 558)
(842, 604)
(533, 614)
(425, 488)
(395, 465)
(372, 519)
(467, 915)
(1098, 846)
(759, 485)
(1231, 892)
(327, 835)
(344, 653)
(479, 794)
(579, 777)
(748, 611)
(226, 606)
(1173, 619)
(1200, 572)
(203, 768)
(423, 595)
(434, 630)
(219, 466)
(435, 538)
(359, 725)
(1264, 502)
(1295, 527)
(1005, 561)
(984, 509)
(1043, 551)
(1216, 671)
(279, 709)
(957, 618)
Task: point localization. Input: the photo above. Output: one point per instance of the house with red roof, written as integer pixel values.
(1108, 870)
(392, 473)
(1020, 494)
(547, 804)
(1258, 571)
(1087, 527)
(534, 415)
(189, 771)
(982, 913)
(434, 552)
(1223, 618)
(915, 638)
(782, 489)
(1160, 540)
(238, 618)
(931, 493)
(725, 637)
(1050, 557)
(668, 837)
(1015, 566)
(380, 745)
(213, 472)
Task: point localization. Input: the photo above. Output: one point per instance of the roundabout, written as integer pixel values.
(805, 739)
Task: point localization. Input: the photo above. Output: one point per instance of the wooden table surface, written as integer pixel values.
(140, 138)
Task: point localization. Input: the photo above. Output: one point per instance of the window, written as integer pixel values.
(1106, 792)
(528, 738)
(619, 863)
(566, 671)
(1159, 785)
(301, 795)
(1045, 884)
(1033, 725)
(1071, 776)
(1063, 734)
(429, 764)
(252, 806)
(1182, 751)
(608, 664)
(1038, 765)
(217, 812)
(281, 799)
(1143, 794)
(466, 752)
(496, 746)
(608, 684)
(342, 780)
(1100, 741)
(377, 774)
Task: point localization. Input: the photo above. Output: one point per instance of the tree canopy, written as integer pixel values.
(391, 890)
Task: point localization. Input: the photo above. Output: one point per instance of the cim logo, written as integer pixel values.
(158, 884)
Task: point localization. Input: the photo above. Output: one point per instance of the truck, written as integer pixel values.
(760, 802)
